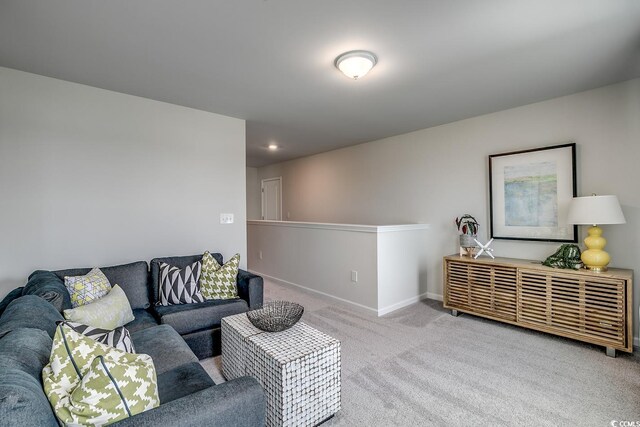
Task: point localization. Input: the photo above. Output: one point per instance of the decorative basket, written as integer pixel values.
(276, 316)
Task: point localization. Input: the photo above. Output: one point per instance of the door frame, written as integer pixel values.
(279, 179)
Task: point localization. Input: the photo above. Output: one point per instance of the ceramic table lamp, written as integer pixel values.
(595, 210)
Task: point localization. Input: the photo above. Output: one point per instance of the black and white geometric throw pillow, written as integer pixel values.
(180, 286)
(118, 338)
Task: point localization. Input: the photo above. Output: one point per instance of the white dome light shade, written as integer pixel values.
(356, 63)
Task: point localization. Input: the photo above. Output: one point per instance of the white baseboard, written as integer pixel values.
(393, 307)
(437, 297)
(379, 312)
(287, 283)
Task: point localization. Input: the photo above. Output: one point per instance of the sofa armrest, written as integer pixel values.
(250, 288)
(239, 402)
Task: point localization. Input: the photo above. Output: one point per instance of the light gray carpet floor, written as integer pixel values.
(420, 366)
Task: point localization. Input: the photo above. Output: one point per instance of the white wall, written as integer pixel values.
(318, 259)
(402, 268)
(254, 195)
(90, 177)
(389, 262)
(433, 175)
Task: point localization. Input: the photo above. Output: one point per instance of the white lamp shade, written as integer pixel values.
(595, 210)
(356, 64)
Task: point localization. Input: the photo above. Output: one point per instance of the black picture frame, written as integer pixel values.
(530, 192)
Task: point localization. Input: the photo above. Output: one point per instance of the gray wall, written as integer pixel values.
(90, 177)
(436, 174)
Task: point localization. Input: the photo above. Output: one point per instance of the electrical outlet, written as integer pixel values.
(354, 276)
(260, 254)
(226, 218)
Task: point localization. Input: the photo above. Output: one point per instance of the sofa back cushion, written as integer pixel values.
(47, 285)
(8, 299)
(132, 278)
(29, 311)
(176, 261)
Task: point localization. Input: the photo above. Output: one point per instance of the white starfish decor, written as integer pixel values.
(484, 248)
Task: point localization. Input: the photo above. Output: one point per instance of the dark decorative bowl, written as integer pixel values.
(276, 316)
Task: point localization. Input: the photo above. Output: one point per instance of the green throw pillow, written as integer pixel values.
(88, 288)
(219, 282)
(109, 312)
(89, 383)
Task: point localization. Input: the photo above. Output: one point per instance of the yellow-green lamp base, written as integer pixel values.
(595, 258)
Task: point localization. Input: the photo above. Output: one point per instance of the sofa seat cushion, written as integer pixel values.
(132, 278)
(205, 343)
(165, 346)
(188, 318)
(142, 320)
(183, 381)
(29, 311)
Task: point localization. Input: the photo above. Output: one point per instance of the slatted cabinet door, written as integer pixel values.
(576, 306)
(489, 290)
(457, 289)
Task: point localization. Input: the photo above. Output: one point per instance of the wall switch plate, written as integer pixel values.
(226, 218)
(260, 254)
(354, 276)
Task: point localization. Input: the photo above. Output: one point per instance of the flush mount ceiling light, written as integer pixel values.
(356, 63)
(273, 147)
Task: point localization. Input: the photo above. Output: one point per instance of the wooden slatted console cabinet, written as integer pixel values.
(579, 304)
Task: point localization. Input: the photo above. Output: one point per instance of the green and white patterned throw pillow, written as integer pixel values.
(88, 288)
(89, 383)
(109, 312)
(219, 282)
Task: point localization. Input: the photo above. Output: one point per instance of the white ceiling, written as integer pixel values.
(271, 61)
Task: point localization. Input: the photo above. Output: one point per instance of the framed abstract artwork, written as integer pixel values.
(530, 192)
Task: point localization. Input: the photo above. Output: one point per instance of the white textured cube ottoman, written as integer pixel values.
(299, 369)
(235, 331)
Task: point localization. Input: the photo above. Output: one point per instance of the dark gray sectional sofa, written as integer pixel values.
(174, 336)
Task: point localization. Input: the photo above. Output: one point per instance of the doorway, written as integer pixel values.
(272, 199)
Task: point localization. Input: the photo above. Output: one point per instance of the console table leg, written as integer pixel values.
(611, 352)
(455, 313)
